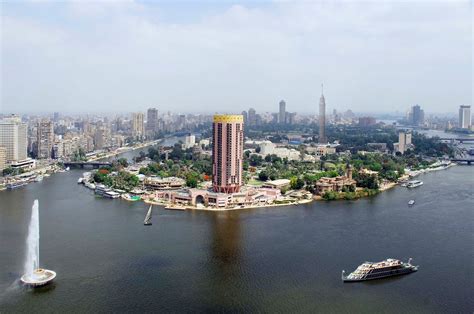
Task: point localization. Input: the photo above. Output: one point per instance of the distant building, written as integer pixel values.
(138, 126)
(13, 137)
(151, 120)
(99, 139)
(322, 118)
(252, 117)
(404, 142)
(245, 115)
(465, 117)
(282, 112)
(227, 153)
(45, 139)
(367, 121)
(416, 116)
(189, 141)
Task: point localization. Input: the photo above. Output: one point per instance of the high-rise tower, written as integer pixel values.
(138, 126)
(282, 112)
(227, 153)
(322, 118)
(464, 117)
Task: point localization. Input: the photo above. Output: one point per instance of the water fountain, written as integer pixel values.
(34, 275)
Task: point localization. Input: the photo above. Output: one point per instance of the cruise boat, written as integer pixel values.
(387, 268)
(414, 184)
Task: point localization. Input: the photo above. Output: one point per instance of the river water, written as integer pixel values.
(282, 259)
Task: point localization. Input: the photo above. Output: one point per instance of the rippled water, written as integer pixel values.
(286, 259)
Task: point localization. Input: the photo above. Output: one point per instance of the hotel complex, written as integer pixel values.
(227, 153)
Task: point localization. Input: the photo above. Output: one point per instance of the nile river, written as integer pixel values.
(281, 259)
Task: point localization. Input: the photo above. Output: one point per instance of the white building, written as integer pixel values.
(404, 142)
(13, 137)
(465, 117)
(189, 141)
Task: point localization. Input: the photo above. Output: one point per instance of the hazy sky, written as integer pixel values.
(223, 56)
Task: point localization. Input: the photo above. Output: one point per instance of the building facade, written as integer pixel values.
(13, 137)
(3, 158)
(227, 153)
(465, 117)
(44, 139)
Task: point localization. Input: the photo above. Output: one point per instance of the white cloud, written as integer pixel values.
(125, 56)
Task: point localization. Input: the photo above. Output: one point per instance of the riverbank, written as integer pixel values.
(189, 207)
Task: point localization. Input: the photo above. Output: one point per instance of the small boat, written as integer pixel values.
(387, 268)
(131, 198)
(39, 178)
(411, 202)
(414, 184)
(147, 221)
(80, 180)
(111, 194)
(67, 169)
(15, 185)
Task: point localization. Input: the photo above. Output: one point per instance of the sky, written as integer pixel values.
(226, 56)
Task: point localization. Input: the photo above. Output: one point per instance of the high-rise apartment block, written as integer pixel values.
(44, 139)
(13, 137)
(465, 117)
(138, 126)
(227, 153)
(152, 120)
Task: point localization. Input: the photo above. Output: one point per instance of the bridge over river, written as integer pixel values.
(87, 164)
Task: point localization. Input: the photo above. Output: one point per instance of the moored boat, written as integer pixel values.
(15, 185)
(111, 194)
(414, 184)
(387, 268)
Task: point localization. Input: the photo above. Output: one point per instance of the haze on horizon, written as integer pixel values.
(123, 56)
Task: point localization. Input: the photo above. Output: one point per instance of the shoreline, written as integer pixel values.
(316, 198)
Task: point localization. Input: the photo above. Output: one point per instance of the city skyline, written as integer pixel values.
(123, 65)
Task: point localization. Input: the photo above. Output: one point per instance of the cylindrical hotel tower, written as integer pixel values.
(227, 152)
